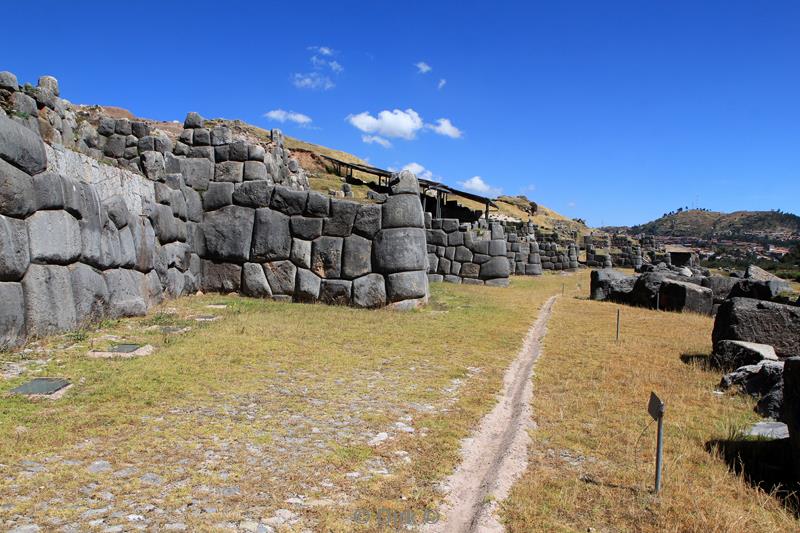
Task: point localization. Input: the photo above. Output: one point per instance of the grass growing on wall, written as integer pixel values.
(590, 464)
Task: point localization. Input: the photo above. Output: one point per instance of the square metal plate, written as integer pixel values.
(41, 386)
(124, 348)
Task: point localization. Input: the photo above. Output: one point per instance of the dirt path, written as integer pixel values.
(497, 453)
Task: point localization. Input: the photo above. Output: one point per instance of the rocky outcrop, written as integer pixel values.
(729, 354)
(764, 381)
(761, 322)
(611, 285)
(682, 296)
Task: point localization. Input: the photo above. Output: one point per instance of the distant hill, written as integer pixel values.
(754, 226)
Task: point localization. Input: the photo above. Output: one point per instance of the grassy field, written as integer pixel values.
(592, 461)
(274, 413)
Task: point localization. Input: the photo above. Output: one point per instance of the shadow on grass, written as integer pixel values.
(764, 463)
(699, 360)
(591, 480)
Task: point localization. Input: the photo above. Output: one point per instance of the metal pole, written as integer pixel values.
(658, 301)
(563, 288)
(617, 324)
(659, 448)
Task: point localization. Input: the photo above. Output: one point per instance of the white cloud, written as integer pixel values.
(419, 171)
(442, 83)
(335, 66)
(395, 123)
(444, 127)
(375, 139)
(312, 80)
(571, 204)
(288, 116)
(423, 67)
(476, 184)
(323, 50)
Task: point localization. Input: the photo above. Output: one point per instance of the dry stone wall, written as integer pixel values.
(464, 253)
(82, 240)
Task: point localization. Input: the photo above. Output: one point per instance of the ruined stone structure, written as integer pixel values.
(466, 253)
(83, 238)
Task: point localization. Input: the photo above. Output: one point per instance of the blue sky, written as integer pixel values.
(613, 111)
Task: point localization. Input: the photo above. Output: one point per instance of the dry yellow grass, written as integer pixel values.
(590, 464)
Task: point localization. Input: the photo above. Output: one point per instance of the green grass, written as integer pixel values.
(275, 399)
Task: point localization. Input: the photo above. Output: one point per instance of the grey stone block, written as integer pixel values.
(8, 81)
(197, 172)
(144, 241)
(194, 204)
(48, 191)
(127, 248)
(272, 239)
(472, 281)
(17, 196)
(288, 201)
(254, 281)
(435, 278)
(496, 267)
(220, 277)
(54, 237)
(14, 252)
(193, 120)
(433, 263)
(219, 194)
(369, 291)
(221, 135)
(356, 257)
(89, 292)
(281, 276)
(12, 315)
(307, 286)
(456, 238)
(497, 247)
(326, 257)
(497, 282)
(49, 302)
(406, 285)
(201, 137)
(470, 270)
(306, 228)
(404, 183)
(436, 237)
(164, 223)
(340, 221)
(253, 194)
(403, 211)
(335, 291)
(453, 279)
(318, 205)
(228, 232)
(301, 253)
(255, 170)
(21, 147)
(232, 171)
(399, 249)
(368, 220)
(117, 210)
(463, 254)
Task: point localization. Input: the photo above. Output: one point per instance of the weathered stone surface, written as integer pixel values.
(470, 270)
(341, 218)
(219, 194)
(176, 254)
(759, 289)
(403, 211)
(496, 267)
(228, 232)
(406, 285)
(272, 239)
(759, 321)
(22, 148)
(307, 286)
(152, 290)
(254, 281)
(125, 297)
(306, 228)
(144, 241)
(220, 277)
(288, 201)
(115, 146)
(497, 247)
(48, 191)
(197, 172)
(335, 291)
(221, 135)
(400, 249)
(682, 296)
(356, 256)
(720, 285)
(255, 170)
(369, 291)
(497, 282)
(54, 237)
(17, 196)
(127, 248)
(232, 171)
(301, 253)
(608, 284)
(457, 239)
(730, 355)
(326, 257)
(757, 273)
(368, 220)
(12, 315)
(764, 381)
(90, 293)
(194, 204)
(163, 222)
(117, 210)
(8, 81)
(256, 153)
(791, 406)
(318, 205)
(253, 194)
(14, 253)
(404, 183)
(281, 276)
(49, 303)
(193, 120)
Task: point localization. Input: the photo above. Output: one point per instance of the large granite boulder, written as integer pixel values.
(21, 147)
(759, 289)
(759, 321)
(14, 253)
(608, 284)
(49, 302)
(12, 315)
(228, 232)
(764, 381)
(682, 296)
(720, 285)
(729, 355)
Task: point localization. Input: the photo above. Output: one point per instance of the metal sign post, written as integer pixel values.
(617, 324)
(656, 409)
(563, 289)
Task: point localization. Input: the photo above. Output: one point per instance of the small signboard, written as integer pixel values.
(41, 386)
(655, 406)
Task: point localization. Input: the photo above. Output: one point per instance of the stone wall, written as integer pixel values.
(466, 253)
(82, 240)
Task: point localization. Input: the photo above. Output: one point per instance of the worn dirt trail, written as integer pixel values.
(497, 453)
